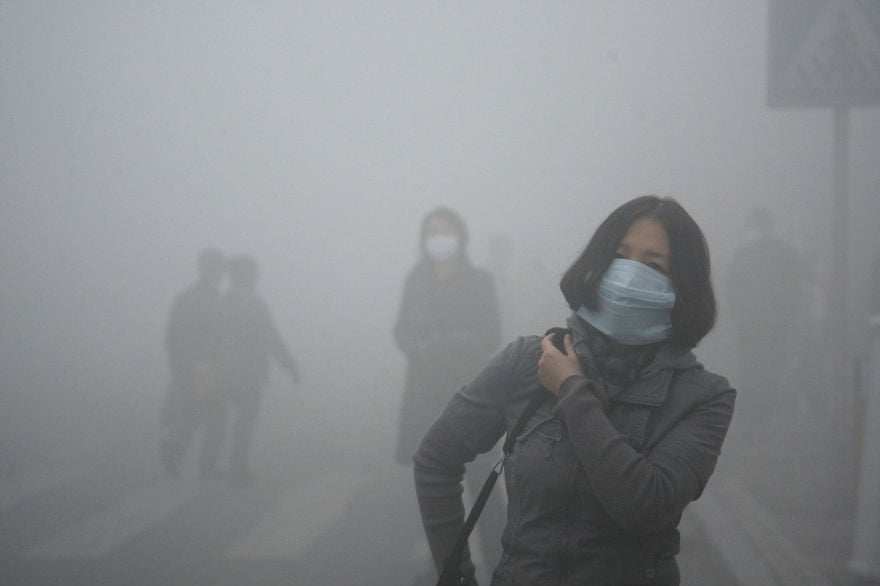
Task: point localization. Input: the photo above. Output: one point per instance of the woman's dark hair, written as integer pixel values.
(693, 315)
(452, 218)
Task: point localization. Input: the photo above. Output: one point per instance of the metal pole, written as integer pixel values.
(865, 560)
(843, 421)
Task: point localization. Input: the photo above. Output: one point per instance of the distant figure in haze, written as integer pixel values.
(191, 338)
(248, 341)
(768, 293)
(448, 326)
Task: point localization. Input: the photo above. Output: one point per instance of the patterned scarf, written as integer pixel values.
(618, 365)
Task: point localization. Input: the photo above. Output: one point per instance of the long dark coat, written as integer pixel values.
(447, 329)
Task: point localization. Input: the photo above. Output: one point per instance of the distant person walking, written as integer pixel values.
(768, 292)
(447, 327)
(249, 341)
(191, 341)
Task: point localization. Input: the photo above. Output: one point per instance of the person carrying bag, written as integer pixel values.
(601, 474)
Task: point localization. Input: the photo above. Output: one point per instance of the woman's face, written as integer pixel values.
(647, 242)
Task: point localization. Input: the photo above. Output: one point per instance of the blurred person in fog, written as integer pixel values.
(248, 341)
(447, 327)
(768, 292)
(629, 425)
(191, 337)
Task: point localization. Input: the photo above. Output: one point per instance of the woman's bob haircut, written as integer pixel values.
(452, 218)
(693, 315)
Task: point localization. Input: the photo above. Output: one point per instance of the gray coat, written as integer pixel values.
(594, 497)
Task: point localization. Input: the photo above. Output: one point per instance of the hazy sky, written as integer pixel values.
(315, 135)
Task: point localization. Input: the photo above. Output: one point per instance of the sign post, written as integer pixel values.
(826, 53)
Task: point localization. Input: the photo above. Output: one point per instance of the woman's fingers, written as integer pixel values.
(554, 366)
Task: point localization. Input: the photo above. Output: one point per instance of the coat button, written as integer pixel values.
(650, 573)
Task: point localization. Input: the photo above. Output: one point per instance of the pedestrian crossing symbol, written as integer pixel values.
(824, 53)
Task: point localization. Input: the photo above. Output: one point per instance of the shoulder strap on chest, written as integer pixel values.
(451, 573)
(533, 405)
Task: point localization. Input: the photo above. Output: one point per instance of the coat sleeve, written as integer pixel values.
(472, 422)
(483, 316)
(644, 493)
(174, 340)
(183, 336)
(405, 331)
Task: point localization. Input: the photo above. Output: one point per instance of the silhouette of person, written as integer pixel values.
(191, 337)
(768, 294)
(249, 341)
(447, 326)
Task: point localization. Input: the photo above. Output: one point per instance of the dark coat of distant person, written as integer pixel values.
(447, 327)
(768, 294)
(192, 332)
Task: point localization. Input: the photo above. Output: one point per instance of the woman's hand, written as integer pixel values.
(554, 366)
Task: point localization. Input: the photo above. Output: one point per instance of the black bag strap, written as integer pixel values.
(451, 574)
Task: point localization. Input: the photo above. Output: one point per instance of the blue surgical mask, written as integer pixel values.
(635, 304)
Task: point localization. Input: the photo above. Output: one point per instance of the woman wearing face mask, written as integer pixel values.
(447, 327)
(631, 427)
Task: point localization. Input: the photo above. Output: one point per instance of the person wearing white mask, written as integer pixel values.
(448, 325)
(628, 426)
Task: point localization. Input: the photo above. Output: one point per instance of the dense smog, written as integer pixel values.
(252, 250)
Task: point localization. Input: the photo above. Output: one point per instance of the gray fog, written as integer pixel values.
(315, 136)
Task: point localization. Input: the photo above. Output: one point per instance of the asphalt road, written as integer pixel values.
(110, 516)
(103, 512)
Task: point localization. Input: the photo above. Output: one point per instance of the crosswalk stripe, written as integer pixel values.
(111, 527)
(299, 517)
